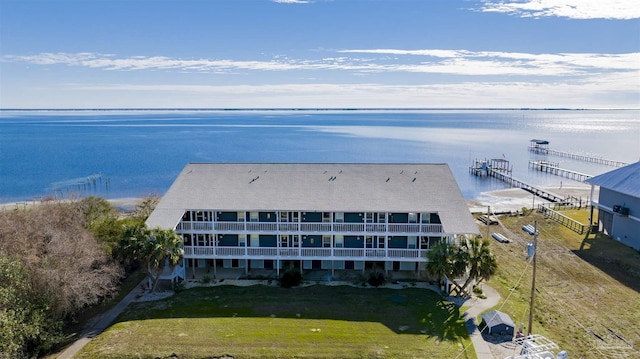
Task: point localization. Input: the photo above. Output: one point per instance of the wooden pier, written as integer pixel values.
(501, 169)
(78, 186)
(514, 182)
(542, 147)
(553, 168)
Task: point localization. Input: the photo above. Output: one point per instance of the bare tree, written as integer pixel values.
(66, 261)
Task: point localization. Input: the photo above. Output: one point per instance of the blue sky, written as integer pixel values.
(319, 53)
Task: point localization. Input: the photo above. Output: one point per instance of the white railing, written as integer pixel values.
(304, 252)
(431, 228)
(230, 251)
(315, 227)
(316, 252)
(195, 226)
(262, 227)
(288, 227)
(376, 227)
(373, 228)
(289, 252)
(348, 227)
(375, 252)
(253, 251)
(348, 252)
(404, 253)
(229, 226)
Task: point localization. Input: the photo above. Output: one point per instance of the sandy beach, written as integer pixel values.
(513, 199)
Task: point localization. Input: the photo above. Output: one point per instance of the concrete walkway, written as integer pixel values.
(480, 305)
(102, 323)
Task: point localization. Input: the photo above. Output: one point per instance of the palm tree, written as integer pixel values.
(132, 243)
(446, 262)
(450, 261)
(481, 263)
(163, 246)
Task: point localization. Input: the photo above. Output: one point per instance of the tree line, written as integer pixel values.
(58, 258)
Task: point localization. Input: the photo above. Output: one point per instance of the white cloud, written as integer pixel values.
(291, 1)
(573, 9)
(428, 61)
(479, 79)
(598, 91)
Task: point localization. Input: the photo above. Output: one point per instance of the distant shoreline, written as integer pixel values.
(265, 109)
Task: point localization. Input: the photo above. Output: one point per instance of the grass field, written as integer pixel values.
(271, 322)
(588, 287)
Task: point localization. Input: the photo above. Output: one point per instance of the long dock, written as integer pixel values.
(542, 147)
(554, 168)
(514, 182)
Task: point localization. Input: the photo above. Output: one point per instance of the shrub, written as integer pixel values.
(179, 286)
(291, 278)
(376, 279)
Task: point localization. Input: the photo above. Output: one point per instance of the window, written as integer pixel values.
(339, 241)
(326, 217)
(382, 217)
(254, 240)
(253, 216)
(413, 218)
(202, 216)
(284, 217)
(368, 217)
(201, 240)
(411, 242)
(284, 241)
(369, 242)
(339, 216)
(242, 240)
(326, 241)
(425, 217)
(186, 238)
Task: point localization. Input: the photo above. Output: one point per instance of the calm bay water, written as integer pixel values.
(140, 153)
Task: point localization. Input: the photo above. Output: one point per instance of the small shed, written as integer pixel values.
(497, 322)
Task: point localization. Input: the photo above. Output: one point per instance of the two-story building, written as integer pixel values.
(619, 204)
(242, 218)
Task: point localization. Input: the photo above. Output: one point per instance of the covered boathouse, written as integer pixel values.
(249, 219)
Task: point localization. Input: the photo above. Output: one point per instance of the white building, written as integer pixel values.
(238, 219)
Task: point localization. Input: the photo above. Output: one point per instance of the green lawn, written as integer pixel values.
(271, 322)
(587, 287)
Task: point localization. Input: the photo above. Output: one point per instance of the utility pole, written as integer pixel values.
(488, 219)
(533, 280)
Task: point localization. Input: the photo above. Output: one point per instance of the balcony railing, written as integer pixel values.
(302, 227)
(302, 252)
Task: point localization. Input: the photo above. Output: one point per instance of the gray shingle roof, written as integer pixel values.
(496, 317)
(317, 187)
(624, 180)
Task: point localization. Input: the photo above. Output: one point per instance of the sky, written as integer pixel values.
(320, 54)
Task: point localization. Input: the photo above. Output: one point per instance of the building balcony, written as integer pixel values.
(301, 227)
(288, 253)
